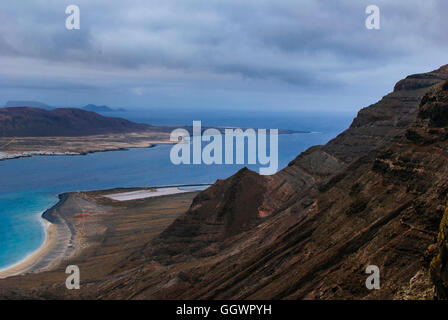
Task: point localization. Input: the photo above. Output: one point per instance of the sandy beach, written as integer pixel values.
(32, 262)
(56, 246)
(65, 235)
(105, 237)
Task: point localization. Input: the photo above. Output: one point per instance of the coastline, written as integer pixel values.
(22, 147)
(27, 154)
(110, 238)
(61, 239)
(25, 265)
(57, 236)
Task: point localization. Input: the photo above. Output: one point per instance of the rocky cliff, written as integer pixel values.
(438, 267)
(374, 195)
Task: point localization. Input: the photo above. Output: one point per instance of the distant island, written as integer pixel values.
(36, 122)
(28, 131)
(95, 108)
(25, 103)
(41, 105)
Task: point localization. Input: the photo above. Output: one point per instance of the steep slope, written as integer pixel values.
(384, 209)
(373, 127)
(235, 203)
(34, 122)
(294, 187)
(439, 264)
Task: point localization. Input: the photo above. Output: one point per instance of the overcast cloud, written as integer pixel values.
(283, 54)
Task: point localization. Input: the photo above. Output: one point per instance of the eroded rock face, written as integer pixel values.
(423, 80)
(215, 212)
(434, 106)
(227, 208)
(372, 195)
(439, 264)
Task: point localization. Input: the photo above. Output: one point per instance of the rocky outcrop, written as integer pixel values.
(295, 187)
(439, 264)
(433, 130)
(227, 208)
(372, 196)
(423, 80)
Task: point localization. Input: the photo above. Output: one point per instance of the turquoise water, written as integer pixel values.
(31, 185)
(21, 228)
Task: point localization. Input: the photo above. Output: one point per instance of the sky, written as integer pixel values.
(217, 54)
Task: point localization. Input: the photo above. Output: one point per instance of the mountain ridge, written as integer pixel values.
(28, 121)
(324, 184)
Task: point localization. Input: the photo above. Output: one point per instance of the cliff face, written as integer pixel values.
(315, 169)
(434, 117)
(235, 204)
(439, 264)
(372, 196)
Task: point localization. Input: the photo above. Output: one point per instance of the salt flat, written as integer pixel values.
(143, 194)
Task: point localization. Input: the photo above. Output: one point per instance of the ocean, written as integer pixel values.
(31, 185)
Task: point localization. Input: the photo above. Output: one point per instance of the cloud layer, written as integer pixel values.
(210, 53)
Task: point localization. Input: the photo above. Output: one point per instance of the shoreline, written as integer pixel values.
(4, 156)
(26, 264)
(48, 254)
(61, 151)
(59, 241)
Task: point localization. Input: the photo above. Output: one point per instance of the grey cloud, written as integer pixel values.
(44, 85)
(177, 33)
(307, 44)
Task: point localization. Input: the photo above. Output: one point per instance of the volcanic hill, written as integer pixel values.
(35, 122)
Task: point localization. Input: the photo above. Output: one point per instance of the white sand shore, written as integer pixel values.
(27, 263)
(58, 236)
(147, 193)
(54, 248)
